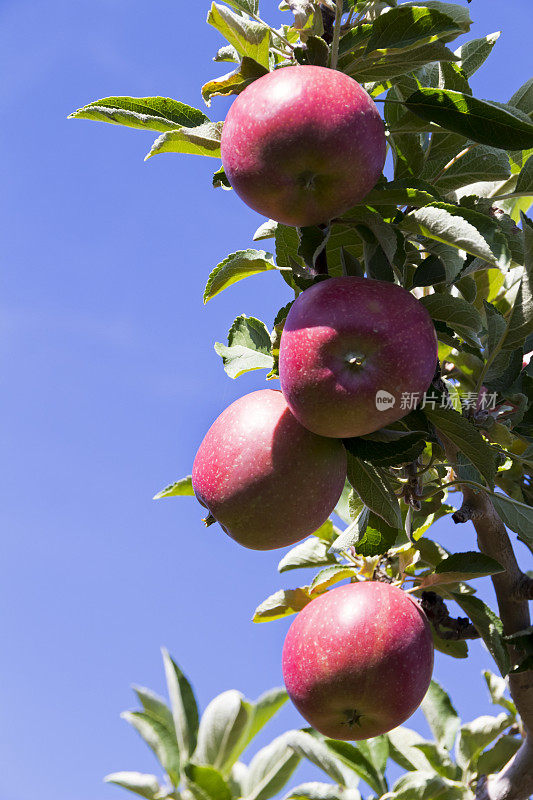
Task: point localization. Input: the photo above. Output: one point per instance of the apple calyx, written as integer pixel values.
(353, 718)
(355, 360)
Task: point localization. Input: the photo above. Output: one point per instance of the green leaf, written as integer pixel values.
(373, 487)
(466, 437)
(523, 97)
(206, 783)
(480, 120)
(472, 55)
(376, 750)
(441, 715)
(271, 768)
(497, 687)
(220, 180)
(439, 759)
(524, 182)
(318, 753)
(263, 710)
(462, 228)
(182, 488)
(488, 625)
(154, 706)
(391, 65)
(331, 575)
(402, 193)
(521, 321)
(234, 268)
(517, 516)
(471, 564)
(233, 82)
(183, 705)
(457, 13)
(150, 113)
(221, 727)
(248, 6)
(455, 649)
(418, 786)
(315, 790)
(249, 38)
(356, 759)
(404, 28)
(249, 347)
(352, 535)
(496, 758)
(403, 749)
(204, 140)
(287, 244)
(496, 327)
(459, 315)
(266, 231)
(137, 782)
(282, 604)
(313, 552)
(476, 735)
(378, 537)
(387, 448)
(159, 738)
(480, 163)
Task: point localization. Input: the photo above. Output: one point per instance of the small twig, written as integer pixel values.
(446, 627)
(511, 196)
(336, 36)
(272, 30)
(454, 160)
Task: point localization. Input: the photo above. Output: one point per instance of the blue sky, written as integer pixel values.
(110, 381)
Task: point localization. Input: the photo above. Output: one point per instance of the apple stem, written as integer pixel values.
(336, 36)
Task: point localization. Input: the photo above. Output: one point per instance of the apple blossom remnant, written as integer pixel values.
(303, 144)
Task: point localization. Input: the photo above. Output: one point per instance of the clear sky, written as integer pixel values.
(110, 381)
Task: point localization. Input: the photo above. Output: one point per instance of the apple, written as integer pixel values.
(351, 350)
(268, 481)
(303, 144)
(357, 661)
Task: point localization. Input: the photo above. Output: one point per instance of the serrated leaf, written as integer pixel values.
(282, 604)
(233, 82)
(407, 27)
(183, 706)
(266, 231)
(249, 38)
(331, 575)
(222, 725)
(466, 437)
(182, 488)
(249, 347)
(235, 267)
(462, 228)
(488, 625)
(149, 113)
(161, 740)
(476, 735)
(374, 489)
(206, 783)
(482, 121)
(271, 768)
(441, 715)
(287, 244)
(459, 315)
(517, 516)
(493, 760)
(204, 140)
(472, 55)
(313, 552)
(137, 782)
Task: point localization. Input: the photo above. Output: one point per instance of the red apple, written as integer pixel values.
(303, 144)
(357, 661)
(268, 481)
(353, 351)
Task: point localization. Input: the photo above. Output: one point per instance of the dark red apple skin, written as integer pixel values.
(357, 661)
(267, 480)
(303, 144)
(344, 318)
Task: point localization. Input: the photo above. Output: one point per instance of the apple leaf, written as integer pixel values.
(249, 38)
(159, 738)
(524, 181)
(441, 715)
(480, 163)
(472, 55)
(204, 140)
(498, 687)
(222, 726)
(459, 315)
(137, 782)
(403, 749)
(439, 759)
(402, 193)
(466, 437)
(313, 552)
(205, 783)
(149, 113)
(263, 709)
(330, 575)
(462, 228)
(182, 488)
(482, 121)
(488, 625)
(523, 97)
(287, 244)
(249, 347)
(378, 537)
(493, 760)
(419, 786)
(234, 268)
(282, 604)
(387, 448)
(450, 647)
(314, 790)
(155, 707)
(343, 245)
(220, 180)
(459, 14)
(354, 757)
(248, 6)
(234, 82)
(517, 516)
(388, 66)
(318, 753)
(267, 230)
(271, 768)
(476, 735)
(373, 487)
(407, 27)
(460, 567)
(183, 706)
(520, 324)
